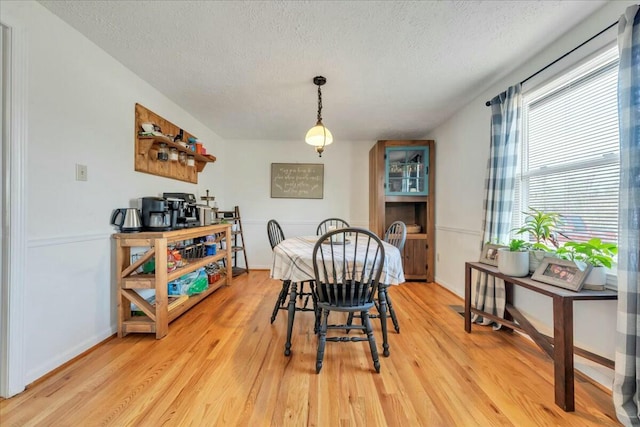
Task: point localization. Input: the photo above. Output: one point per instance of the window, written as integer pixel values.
(569, 159)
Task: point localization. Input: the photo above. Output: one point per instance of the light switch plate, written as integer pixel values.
(81, 172)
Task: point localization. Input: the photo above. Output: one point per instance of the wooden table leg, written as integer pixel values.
(508, 295)
(563, 353)
(291, 314)
(467, 298)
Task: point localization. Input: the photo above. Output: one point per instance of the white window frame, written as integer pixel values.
(532, 93)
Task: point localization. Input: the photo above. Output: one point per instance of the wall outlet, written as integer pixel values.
(81, 172)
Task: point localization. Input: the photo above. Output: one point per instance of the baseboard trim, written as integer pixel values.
(70, 362)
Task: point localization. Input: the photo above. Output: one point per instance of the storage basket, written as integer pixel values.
(413, 228)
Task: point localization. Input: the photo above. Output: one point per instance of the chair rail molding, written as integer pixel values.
(65, 240)
(458, 230)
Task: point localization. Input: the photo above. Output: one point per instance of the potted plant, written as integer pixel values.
(514, 259)
(595, 252)
(543, 227)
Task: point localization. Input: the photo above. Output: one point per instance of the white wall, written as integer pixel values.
(346, 190)
(461, 155)
(81, 110)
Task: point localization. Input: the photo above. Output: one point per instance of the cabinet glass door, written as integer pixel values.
(406, 171)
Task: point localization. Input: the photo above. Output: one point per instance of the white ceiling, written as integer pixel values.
(394, 69)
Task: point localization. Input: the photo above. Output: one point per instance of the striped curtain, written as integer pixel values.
(506, 126)
(626, 384)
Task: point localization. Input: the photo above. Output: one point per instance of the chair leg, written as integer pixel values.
(372, 340)
(382, 298)
(322, 339)
(304, 296)
(282, 297)
(291, 316)
(349, 322)
(392, 312)
(316, 314)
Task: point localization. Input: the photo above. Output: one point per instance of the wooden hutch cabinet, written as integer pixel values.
(401, 188)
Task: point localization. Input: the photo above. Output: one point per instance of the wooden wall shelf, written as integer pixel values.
(146, 149)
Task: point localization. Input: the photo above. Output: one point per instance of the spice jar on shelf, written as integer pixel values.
(163, 152)
(191, 161)
(182, 158)
(173, 154)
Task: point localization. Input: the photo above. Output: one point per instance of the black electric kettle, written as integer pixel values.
(127, 219)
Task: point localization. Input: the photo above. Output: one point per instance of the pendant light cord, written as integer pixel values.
(319, 105)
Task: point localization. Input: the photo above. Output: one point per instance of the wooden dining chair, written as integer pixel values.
(347, 264)
(323, 227)
(276, 235)
(395, 235)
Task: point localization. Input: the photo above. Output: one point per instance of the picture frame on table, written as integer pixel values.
(490, 254)
(562, 273)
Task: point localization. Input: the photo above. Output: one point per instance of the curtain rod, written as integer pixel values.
(488, 103)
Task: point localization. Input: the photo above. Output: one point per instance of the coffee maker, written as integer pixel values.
(155, 214)
(184, 211)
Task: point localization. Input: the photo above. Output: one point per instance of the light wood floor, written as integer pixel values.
(222, 363)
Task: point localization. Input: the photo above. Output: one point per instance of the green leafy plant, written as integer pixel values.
(518, 245)
(595, 252)
(544, 227)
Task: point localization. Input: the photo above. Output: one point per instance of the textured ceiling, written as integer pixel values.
(394, 69)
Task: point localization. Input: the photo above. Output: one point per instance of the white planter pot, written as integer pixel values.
(514, 264)
(596, 279)
(535, 258)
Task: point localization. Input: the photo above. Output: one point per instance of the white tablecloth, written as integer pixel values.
(293, 260)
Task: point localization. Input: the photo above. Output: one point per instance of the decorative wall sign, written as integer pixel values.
(297, 180)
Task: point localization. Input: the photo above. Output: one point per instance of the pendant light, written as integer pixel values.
(319, 136)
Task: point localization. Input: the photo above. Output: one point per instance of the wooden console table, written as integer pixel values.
(559, 347)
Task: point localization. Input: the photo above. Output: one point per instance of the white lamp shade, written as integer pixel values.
(319, 136)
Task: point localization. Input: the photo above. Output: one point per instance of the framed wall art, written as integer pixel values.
(297, 180)
(490, 254)
(562, 273)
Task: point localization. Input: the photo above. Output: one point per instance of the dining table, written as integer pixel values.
(293, 261)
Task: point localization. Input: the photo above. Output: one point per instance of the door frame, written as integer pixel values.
(14, 201)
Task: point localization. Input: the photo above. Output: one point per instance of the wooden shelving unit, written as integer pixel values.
(157, 318)
(418, 257)
(146, 149)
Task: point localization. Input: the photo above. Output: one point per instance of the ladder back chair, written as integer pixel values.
(323, 227)
(276, 235)
(347, 264)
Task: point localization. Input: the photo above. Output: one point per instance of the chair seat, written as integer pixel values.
(351, 309)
